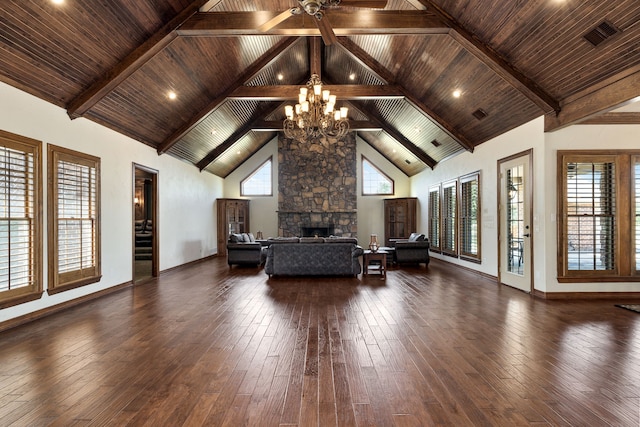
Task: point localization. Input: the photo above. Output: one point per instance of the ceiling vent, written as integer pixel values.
(601, 33)
(435, 143)
(479, 114)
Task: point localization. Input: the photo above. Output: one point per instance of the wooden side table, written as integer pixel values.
(376, 261)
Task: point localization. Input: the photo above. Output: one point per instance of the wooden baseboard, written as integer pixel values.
(190, 263)
(30, 317)
(471, 270)
(619, 296)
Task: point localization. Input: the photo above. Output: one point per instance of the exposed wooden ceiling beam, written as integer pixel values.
(246, 75)
(625, 118)
(343, 22)
(354, 125)
(343, 92)
(136, 59)
(494, 60)
(591, 103)
(387, 76)
(378, 120)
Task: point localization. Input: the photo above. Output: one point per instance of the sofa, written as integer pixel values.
(414, 250)
(313, 256)
(242, 249)
(143, 239)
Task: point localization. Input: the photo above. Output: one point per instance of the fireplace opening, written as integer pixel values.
(320, 231)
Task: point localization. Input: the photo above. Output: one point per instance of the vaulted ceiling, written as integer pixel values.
(115, 62)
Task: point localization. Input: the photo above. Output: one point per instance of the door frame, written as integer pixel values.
(530, 197)
(153, 176)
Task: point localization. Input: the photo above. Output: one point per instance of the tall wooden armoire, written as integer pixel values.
(233, 217)
(399, 218)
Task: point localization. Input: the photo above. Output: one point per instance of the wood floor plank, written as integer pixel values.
(206, 345)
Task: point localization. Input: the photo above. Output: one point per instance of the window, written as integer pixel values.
(470, 216)
(74, 221)
(20, 221)
(374, 181)
(259, 182)
(434, 218)
(597, 238)
(449, 218)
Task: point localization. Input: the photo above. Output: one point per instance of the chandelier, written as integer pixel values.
(315, 114)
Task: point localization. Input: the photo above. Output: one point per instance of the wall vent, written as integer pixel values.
(601, 33)
(435, 143)
(480, 114)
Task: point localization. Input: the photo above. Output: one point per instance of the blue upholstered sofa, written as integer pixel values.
(310, 256)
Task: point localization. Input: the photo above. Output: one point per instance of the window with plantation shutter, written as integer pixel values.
(449, 218)
(434, 218)
(597, 236)
(20, 222)
(470, 216)
(74, 221)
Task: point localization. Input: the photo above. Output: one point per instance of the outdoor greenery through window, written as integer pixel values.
(74, 222)
(259, 182)
(20, 222)
(374, 181)
(597, 237)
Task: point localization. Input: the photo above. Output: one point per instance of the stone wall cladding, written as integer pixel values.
(317, 185)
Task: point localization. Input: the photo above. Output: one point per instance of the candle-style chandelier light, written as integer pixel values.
(315, 114)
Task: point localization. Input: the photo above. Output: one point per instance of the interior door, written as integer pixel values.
(515, 206)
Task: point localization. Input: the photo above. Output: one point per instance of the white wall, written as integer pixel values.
(371, 208)
(485, 158)
(580, 137)
(263, 210)
(186, 217)
(545, 146)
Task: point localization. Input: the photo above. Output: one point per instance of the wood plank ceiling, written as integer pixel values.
(396, 68)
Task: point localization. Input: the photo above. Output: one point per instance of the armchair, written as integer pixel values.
(414, 250)
(243, 249)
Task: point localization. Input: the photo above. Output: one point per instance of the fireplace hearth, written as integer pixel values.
(320, 231)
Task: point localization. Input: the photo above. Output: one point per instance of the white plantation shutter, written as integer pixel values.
(434, 218)
(449, 218)
(470, 216)
(20, 199)
(75, 240)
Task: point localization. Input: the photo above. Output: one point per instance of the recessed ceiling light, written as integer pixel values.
(417, 129)
(238, 153)
(457, 93)
(280, 76)
(57, 1)
(172, 95)
(352, 76)
(214, 131)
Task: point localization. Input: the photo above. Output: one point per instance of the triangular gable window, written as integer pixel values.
(374, 181)
(259, 182)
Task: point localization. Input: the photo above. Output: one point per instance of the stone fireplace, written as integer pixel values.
(317, 190)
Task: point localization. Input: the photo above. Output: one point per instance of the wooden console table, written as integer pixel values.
(376, 261)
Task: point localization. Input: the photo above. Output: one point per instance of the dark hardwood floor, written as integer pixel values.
(208, 345)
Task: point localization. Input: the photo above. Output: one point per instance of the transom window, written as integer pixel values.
(374, 181)
(259, 182)
(20, 221)
(74, 221)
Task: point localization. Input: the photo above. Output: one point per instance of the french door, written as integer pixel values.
(515, 195)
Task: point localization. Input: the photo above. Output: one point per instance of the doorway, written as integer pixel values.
(145, 223)
(515, 207)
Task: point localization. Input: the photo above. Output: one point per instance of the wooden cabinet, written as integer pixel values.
(233, 217)
(399, 218)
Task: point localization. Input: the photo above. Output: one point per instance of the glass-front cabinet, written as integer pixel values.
(233, 217)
